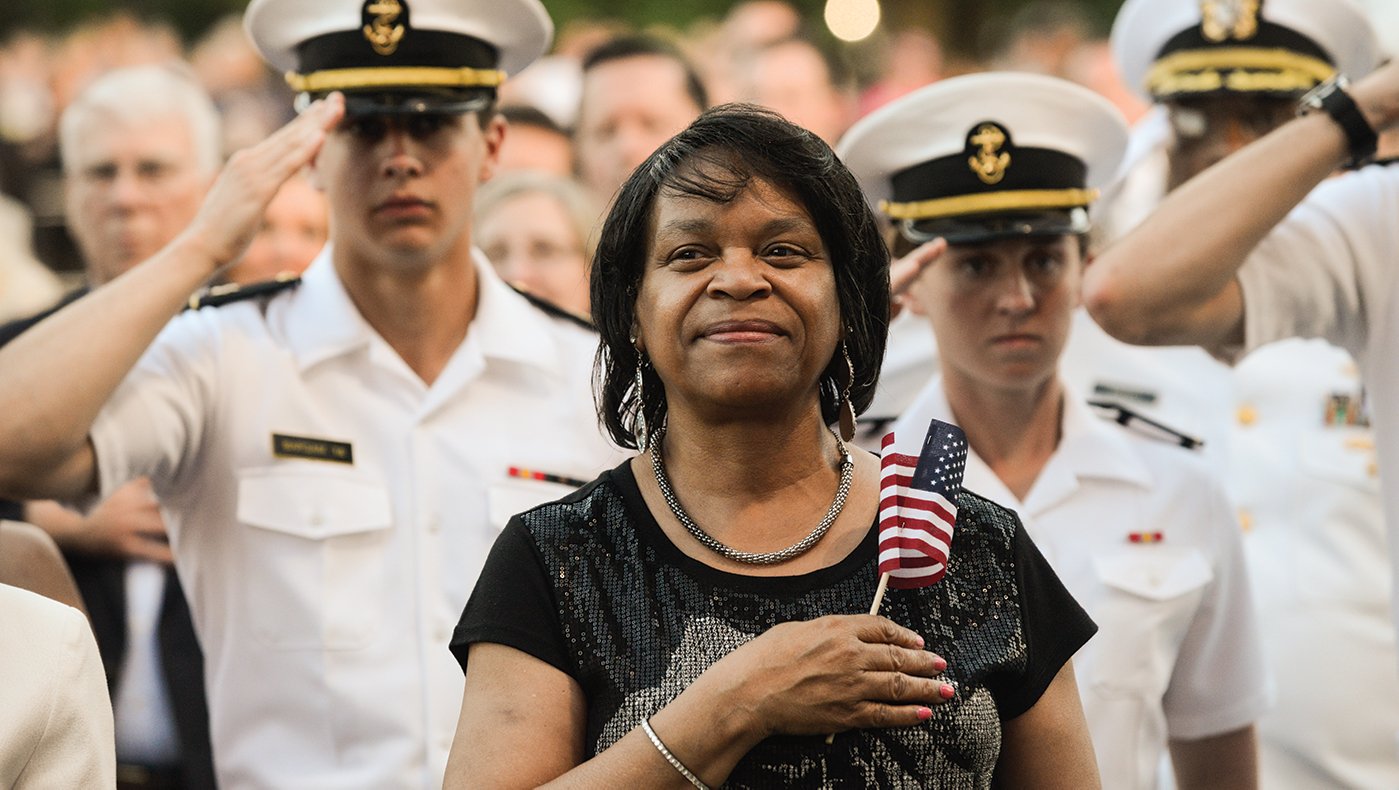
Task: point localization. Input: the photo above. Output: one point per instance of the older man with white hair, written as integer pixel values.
(140, 147)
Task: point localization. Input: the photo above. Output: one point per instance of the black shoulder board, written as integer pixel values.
(554, 310)
(1388, 161)
(219, 295)
(1144, 425)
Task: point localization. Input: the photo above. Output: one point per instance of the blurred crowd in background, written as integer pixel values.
(762, 51)
(580, 120)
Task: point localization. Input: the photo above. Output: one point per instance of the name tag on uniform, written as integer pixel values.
(1103, 389)
(284, 446)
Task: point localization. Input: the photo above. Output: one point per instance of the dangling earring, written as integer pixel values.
(641, 433)
(847, 409)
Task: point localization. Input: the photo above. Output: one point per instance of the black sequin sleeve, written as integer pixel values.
(513, 604)
(1055, 627)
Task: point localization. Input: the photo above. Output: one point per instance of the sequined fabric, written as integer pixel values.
(641, 622)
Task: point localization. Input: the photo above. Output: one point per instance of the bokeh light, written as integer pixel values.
(852, 20)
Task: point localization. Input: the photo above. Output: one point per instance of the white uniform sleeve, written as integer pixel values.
(154, 423)
(1219, 683)
(1322, 271)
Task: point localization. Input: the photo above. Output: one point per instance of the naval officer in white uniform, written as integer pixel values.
(1301, 470)
(1004, 166)
(335, 457)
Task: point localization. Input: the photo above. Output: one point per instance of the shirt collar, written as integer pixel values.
(1089, 448)
(320, 320)
(507, 327)
(1096, 448)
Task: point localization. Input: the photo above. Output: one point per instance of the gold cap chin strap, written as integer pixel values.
(1009, 200)
(394, 77)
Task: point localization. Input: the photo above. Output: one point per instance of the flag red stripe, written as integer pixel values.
(907, 551)
(915, 525)
(894, 563)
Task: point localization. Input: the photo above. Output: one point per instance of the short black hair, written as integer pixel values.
(637, 45)
(737, 143)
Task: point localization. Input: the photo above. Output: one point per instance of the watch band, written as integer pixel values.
(1332, 98)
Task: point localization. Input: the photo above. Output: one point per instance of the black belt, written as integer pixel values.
(149, 777)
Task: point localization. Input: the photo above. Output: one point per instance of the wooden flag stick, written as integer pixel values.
(879, 593)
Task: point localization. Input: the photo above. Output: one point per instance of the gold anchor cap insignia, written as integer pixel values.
(988, 161)
(384, 32)
(1222, 20)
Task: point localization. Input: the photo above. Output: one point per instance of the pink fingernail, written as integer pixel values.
(948, 691)
(921, 643)
(939, 664)
(925, 713)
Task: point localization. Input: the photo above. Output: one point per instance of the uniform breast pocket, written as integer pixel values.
(1151, 596)
(315, 546)
(1343, 455)
(511, 497)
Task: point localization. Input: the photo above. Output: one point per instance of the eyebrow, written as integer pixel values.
(686, 225)
(111, 163)
(775, 226)
(788, 225)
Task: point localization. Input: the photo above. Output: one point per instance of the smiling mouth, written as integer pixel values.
(742, 332)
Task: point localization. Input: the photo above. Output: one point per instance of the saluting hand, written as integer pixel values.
(904, 272)
(233, 210)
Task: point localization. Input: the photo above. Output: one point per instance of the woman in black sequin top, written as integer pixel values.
(738, 268)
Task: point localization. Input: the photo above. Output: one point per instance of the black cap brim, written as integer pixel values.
(359, 105)
(977, 229)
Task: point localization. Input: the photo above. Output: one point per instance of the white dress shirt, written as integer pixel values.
(1329, 271)
(1308, 499)
(326, 569)
(1177, 652)
(1306, 486)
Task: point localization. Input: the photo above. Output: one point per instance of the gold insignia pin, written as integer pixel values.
(989, 162)
(1222, 20)
(383, 34)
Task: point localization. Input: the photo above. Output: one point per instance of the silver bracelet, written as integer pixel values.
(670, 758)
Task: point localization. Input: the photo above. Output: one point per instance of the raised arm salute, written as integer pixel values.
(1205, 230)
(336, 455)
(59, 374)
(1243, 255)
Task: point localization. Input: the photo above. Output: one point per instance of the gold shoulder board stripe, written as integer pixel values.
(1010, 200)
(394, 77)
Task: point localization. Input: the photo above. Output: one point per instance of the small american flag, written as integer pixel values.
(918, 505)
